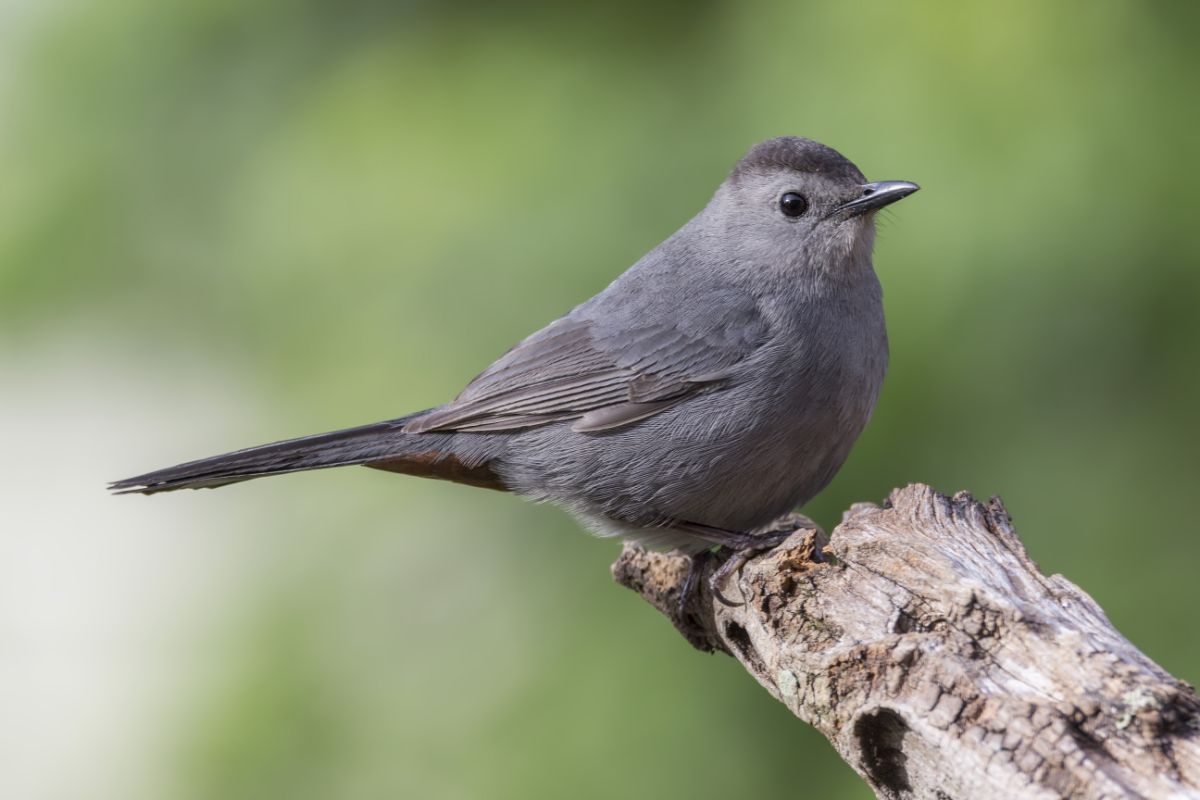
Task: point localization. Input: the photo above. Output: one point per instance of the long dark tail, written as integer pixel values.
(382, 445)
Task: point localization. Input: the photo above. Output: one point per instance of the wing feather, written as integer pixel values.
(603, 377)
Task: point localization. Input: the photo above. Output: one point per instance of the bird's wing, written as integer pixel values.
(603, 375)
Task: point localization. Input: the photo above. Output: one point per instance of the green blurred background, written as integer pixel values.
(223, 223)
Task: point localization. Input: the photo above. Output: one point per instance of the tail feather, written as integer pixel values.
(384, 443)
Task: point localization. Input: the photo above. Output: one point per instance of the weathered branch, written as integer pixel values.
(940, 662)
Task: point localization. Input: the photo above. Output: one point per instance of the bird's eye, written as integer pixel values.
(792, 204)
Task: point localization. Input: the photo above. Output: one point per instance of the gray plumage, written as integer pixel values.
(718, 383)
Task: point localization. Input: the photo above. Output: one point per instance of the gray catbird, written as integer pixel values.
(716, 384)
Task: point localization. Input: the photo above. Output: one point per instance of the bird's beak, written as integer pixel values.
(875, 196)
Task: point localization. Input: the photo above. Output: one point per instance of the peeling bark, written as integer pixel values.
(939, 661)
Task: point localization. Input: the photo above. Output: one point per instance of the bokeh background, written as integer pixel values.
(223, 223)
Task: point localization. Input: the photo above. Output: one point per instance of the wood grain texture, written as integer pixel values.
(940, 662)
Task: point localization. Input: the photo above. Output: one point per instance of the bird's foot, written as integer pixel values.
(691, 584)
(756, 544)
(744, 546)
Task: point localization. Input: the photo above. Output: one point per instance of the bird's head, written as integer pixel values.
(801, 210)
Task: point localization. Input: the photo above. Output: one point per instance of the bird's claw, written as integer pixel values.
(745, 547)
(692, 582)
(754, 545)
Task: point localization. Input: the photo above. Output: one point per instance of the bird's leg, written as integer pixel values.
(745, 546)
(756, 544)
(691, 584)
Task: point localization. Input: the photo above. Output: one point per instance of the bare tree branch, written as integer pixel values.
(940, 662)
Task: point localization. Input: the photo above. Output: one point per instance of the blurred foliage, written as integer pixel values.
(354, 207)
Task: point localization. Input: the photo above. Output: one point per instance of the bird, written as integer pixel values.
(715, 385)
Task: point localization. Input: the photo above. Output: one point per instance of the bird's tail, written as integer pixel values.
(382, 445)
